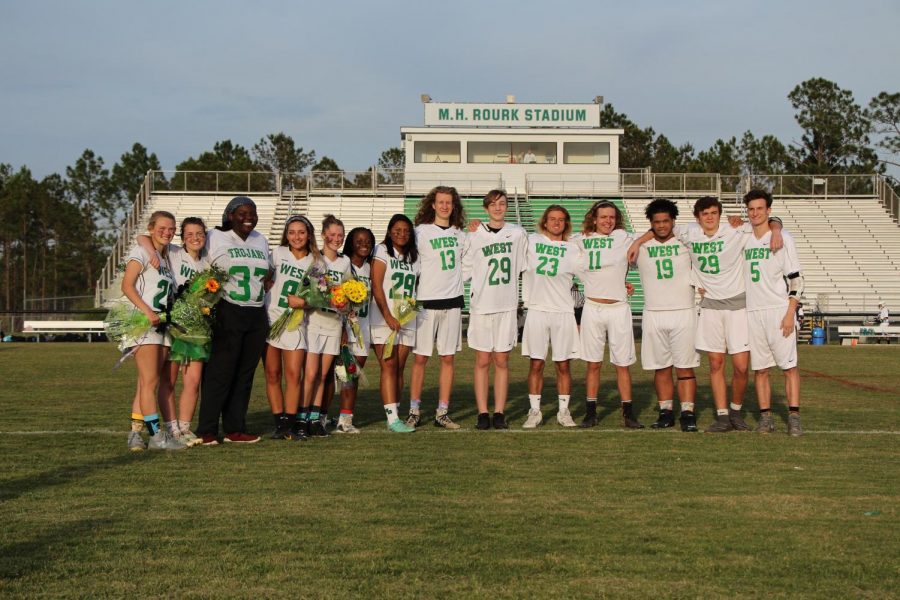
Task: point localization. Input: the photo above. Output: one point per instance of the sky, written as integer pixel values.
(342, 77)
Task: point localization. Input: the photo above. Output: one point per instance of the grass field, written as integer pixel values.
(587, 513)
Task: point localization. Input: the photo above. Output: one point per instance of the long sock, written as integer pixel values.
(137, 422)
(687, 407)
(563, 402)
(152, 423)
(172, 427)
(414, 406)
(665, 405)
(591, 407)
(278, 418)
(734, 406)
(390, 411)
(626, 407)
(184, 426)
(314, 414)
(535, 401)
(303, 415)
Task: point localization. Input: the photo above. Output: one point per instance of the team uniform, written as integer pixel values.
(364, 275)
(670, 319)
(323, 332)
(767, 301)
(604, 265)
(155, 286)
(546, 286)
(716, 267)
(399, 282)
(440, 289)
(185, 266)
(289, 273)
(493, 261)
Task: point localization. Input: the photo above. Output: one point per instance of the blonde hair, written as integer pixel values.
(542, 224)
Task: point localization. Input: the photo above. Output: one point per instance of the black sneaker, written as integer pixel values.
(666, 419)
(737, 421)
(628, 420)
(722, 425)
(499, 421)
(688, 421)
(297, 433)
(484, 422)
(317, 429)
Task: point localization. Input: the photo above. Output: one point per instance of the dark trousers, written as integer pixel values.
(238, 341)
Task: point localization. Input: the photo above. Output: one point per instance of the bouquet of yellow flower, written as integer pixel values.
(404, 310)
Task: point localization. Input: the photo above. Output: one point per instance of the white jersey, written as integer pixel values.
(289, 273)
(604, 264)
(399, 282)
(155, 286)
(665, 269)
(324, 320)
(183, 264)
(547, 282)
(245, 261)
(493, 262)
(765, 271)
(717, 259)
(440, 255)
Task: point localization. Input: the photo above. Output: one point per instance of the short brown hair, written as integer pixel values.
(706, 202)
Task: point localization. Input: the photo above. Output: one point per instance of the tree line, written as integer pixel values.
(55, 232)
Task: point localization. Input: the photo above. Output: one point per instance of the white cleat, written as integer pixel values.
(564, 418)
(534, 420)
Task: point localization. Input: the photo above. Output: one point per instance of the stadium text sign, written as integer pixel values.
(512, 115)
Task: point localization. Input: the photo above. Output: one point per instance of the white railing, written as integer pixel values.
(220, 182)
(538, 184)
(475, 184)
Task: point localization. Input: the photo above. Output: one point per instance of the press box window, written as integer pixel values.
(512, 152)
(586, 153)
(437, 152)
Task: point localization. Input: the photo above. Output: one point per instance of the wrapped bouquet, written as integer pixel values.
(404, 310)
(190, 317)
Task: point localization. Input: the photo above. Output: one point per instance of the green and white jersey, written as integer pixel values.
(325, 320)
(364, 274)
(440, 255)
(547, 283)
(493, 262)
(717, 258)
(183, 264)
(399, 282)
(665, 269)
(765, 271)
(245, 261)
(289, 272)
(604, 263)
(155, 286)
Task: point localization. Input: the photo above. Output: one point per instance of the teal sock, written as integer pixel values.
(314, 414)
(303, 415)
(152, 423)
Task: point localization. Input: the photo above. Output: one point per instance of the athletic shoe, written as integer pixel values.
(442, 419)
(240, 437)
(794, 427)
(317, 429)
(737, 421)
(208, 439)
(135, 442)
(766, 424)
(345, 427)
(665, 420)
(590, 420)
(564, 418)
(499, 421)
(414, 419)
(281, 433)
(484, 422)
(535, 418)
(722, 425)
(400, 427)
(688, 421)
(162, 440)
(188, 438)
(628, 420)
(297, 433)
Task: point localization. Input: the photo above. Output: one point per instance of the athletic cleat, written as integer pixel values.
(442, 419)
(628, 420)
(534, 420)
(688, 421)
(737, 421)
(345, 427)
(135, 442)
(239, 437)
(190, 440)
(162, 440)
(317, 429)
(564, 418)
(588, 421)
(484, 422)
(297, 433)
(766, 424)
(794, 427)
(414, 419)
(721, 425)
(665, 420)
(400, 427)
(280, 433)
(499, 421)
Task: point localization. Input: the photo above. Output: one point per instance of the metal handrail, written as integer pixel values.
(245, 182)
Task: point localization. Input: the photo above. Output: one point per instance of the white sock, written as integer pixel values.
(390, 410)
(535, 401)
(563, 403)
(665, 405)
(184, 426)
(734, 406)
(687, 406)
(721, 412)
(172, 427)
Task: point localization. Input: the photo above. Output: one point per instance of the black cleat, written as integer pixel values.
(666, 419)
(484, 422)
(590, 416)
(688, 421)
(499, 421)
(628, 420)
(317, 429)
(297, 433)
(737, 421)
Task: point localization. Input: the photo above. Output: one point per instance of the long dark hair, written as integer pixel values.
(411, 252)
(348, 242)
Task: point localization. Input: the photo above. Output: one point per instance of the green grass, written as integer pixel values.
(589, 513)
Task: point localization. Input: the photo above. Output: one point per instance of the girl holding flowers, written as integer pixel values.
(395, 270)
(286, 350)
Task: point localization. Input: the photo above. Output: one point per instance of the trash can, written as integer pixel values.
(818, 336)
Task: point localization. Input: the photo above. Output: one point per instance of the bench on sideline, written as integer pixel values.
(51, 327)
(862, 333)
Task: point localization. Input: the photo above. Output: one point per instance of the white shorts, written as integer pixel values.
(600, 322)
(668, 339)
(323, 343)
(441, 328)
(355, 348)
(496, 332)
(768, 346)
(405, 337)
(722, 331)
(543, 329)
(290, 340)
(151, 338)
